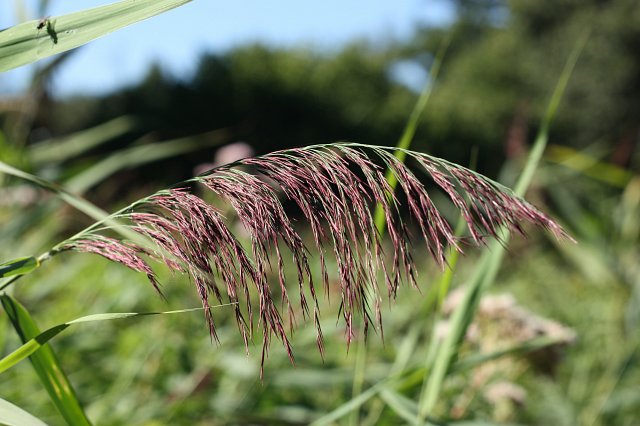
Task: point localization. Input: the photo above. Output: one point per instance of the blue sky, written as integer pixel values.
(176, 38)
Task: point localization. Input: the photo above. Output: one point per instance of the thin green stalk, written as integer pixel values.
(440, 293)
(490, 261)
(358, 378)
(412, 125)
(543, 135)
(452, 260)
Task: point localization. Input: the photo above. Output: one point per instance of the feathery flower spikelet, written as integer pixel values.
(334, 187)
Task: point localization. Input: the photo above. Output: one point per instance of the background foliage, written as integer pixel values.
(498, 73)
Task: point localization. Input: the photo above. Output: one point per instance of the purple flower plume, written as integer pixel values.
(335, 188)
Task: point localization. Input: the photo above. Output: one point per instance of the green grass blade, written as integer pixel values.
(30, 347)
(33, 40)
(491, 260)
(12, 415)
(38, 342)
(62, 149)
(346, 408)
(46, 365)
(20, 266)
(404, 407)
(452, 261)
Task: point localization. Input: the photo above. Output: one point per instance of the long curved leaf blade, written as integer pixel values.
(37, 342)
(12, 415)
(34, 40)
(46, 365)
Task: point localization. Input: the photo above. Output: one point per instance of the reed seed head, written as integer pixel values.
(335, 187)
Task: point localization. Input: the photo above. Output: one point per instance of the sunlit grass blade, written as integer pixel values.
(20, 266)
(437, 296)
(46, 365)
(12, 415)
(33, 40)
(62, 149)
(38, 342)
(589, 165)
(491, 260)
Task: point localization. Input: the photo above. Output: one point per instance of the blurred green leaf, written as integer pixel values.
(33, 40)
(20, 266)
(12, 415)
(143, 154)
(62, 149)
(403, 144)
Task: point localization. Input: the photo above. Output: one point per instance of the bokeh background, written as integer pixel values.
(152, 104)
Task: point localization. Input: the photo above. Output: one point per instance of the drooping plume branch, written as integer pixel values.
(335, 187)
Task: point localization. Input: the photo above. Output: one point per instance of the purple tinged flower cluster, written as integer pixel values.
(335, 188)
